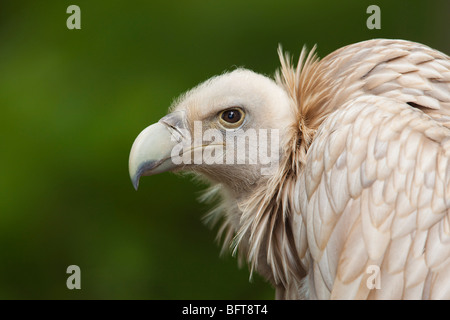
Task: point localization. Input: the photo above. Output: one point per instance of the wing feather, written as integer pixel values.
(395, 206)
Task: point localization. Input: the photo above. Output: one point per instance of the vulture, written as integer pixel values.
(333, 176)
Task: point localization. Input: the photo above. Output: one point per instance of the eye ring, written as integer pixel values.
(232, 118)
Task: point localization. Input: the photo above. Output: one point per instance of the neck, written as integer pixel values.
(258, 227)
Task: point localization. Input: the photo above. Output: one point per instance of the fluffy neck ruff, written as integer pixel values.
(258, 227)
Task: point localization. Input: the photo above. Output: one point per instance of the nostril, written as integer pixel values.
(174, 119)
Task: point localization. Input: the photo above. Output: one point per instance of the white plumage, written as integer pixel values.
(362, 190)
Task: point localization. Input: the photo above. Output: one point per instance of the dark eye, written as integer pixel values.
(232, 118)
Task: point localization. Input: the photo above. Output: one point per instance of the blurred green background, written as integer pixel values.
(72, 102)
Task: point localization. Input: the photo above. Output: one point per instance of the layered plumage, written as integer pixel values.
(363, 175)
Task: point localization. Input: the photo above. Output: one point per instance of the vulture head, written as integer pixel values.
(219, 129)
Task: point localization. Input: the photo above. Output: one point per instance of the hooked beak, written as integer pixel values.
(151, 151)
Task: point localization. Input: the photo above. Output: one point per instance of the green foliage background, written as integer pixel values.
(72, 102)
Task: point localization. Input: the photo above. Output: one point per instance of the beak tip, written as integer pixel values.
(136, 184)
(135, 181)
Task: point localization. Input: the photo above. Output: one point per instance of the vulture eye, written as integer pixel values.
(232, 118)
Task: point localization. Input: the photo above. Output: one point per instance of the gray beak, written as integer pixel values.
(151, 151)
